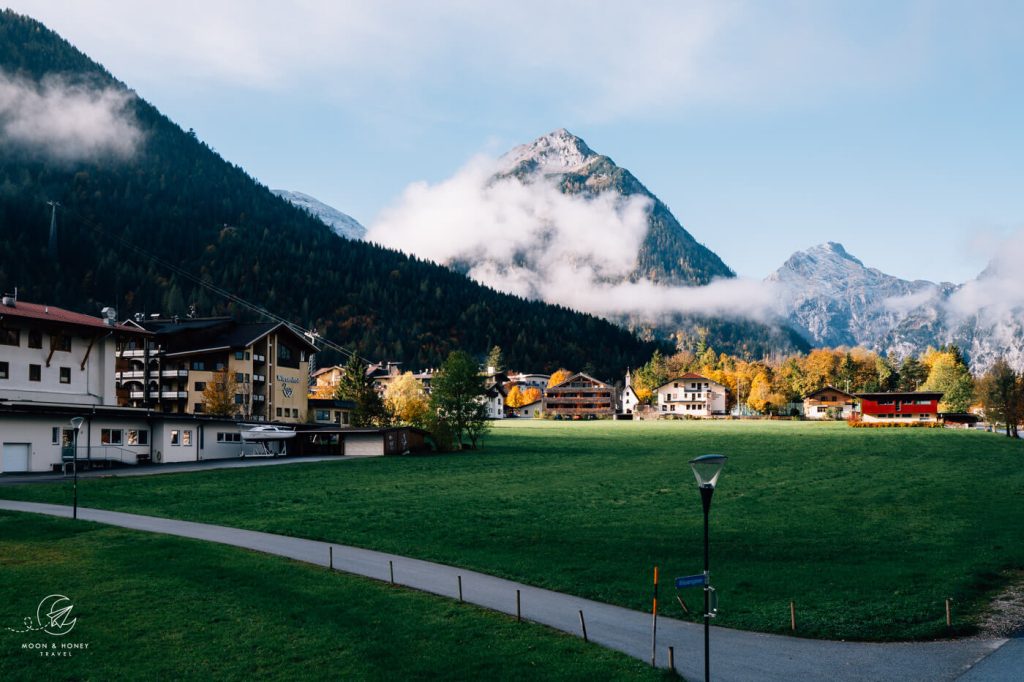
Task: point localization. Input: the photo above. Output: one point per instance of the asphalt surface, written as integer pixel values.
(735, 655)
(170, 468)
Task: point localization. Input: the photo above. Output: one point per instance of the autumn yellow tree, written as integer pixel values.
(558, 377)
(514, 397)
(530, 394)
(219, 395)
(406, 400)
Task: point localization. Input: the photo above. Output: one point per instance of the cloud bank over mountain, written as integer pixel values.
(67, 122)
(534, 240)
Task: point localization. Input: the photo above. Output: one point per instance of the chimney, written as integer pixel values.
(10, 299)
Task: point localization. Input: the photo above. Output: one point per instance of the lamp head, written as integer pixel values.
(76, 422)
(706, 469)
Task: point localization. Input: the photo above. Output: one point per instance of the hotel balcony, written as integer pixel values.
(174, 394)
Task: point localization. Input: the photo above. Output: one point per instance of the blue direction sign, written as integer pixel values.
(690, 581)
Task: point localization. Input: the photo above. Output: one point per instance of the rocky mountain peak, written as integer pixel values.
(557, 152)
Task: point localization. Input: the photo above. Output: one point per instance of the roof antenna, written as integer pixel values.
(53, 228)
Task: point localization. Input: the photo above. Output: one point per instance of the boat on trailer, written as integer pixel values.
(265, 440)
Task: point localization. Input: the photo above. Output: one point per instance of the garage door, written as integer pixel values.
(15, 457)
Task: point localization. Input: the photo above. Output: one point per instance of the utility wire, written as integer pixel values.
(234, 298)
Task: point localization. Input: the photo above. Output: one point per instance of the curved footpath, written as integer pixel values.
(735, 655)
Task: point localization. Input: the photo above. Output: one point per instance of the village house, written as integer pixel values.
(894, 408)
(579, 396)
(531, 410)
(691, 395)
(524, 380)
(169, 369)
(829, 402)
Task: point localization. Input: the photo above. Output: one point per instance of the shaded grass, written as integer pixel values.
(867, 530)
(157, 607)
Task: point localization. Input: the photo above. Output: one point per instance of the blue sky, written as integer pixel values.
(894, 128)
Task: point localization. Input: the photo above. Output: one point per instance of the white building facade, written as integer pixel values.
(691, 395)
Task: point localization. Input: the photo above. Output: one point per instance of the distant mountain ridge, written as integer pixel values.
(343, 224)
(833, 299)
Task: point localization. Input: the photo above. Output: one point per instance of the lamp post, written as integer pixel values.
(706, 469)
(76, 423)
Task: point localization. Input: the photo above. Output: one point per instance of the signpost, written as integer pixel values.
(698, 580)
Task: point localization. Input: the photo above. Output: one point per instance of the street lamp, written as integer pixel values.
(76, 423)
(706, 469)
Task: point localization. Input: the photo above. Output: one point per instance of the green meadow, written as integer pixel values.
(867, 531)
(153, 607)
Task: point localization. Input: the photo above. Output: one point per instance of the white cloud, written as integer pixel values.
(534, 241)
(903, 305)
(598, 60)
(996, 297)
(66, 122)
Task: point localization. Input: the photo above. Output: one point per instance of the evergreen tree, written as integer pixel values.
(357, 387)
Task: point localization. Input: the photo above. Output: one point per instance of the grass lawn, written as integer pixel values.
(152, 607)
(867, 530)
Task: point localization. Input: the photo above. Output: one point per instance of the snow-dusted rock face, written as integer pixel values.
(343, 224)
(557, 152)
(833, 299)
(668, 253)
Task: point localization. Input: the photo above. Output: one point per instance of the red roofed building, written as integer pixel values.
(900, 407)
(52, 355)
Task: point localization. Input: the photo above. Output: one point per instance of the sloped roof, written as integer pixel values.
(49, 313)
(829, 387)
(689, 376)
(585, 376)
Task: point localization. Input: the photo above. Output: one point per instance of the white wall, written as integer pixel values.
(92, 386)
(364, 444)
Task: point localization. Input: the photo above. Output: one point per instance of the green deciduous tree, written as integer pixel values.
(457, 398)
(1001, 391)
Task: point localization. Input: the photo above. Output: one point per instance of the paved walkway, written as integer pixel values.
(735, 655)
(171, 468)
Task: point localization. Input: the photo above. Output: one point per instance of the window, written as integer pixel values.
(218, 367)
(35, 338)
(35, 373)
(344, 418)
(175, 437)
(239, 355)
(239, 378)
(5, 370)
(186, 438)
(198, 365)
(63, 437)
(223, 437)
(279, 412)
(200, 385)
(10, 337)
(111, 436)
(239, 399)
(137, 437)
(286, 357)
(61, 342)
(65, 375)
(197, 408)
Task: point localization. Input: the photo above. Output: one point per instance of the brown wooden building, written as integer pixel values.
(579, 397)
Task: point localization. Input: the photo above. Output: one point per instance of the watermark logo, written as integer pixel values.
(53, 616)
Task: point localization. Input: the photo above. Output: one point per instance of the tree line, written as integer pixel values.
(773, 385)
